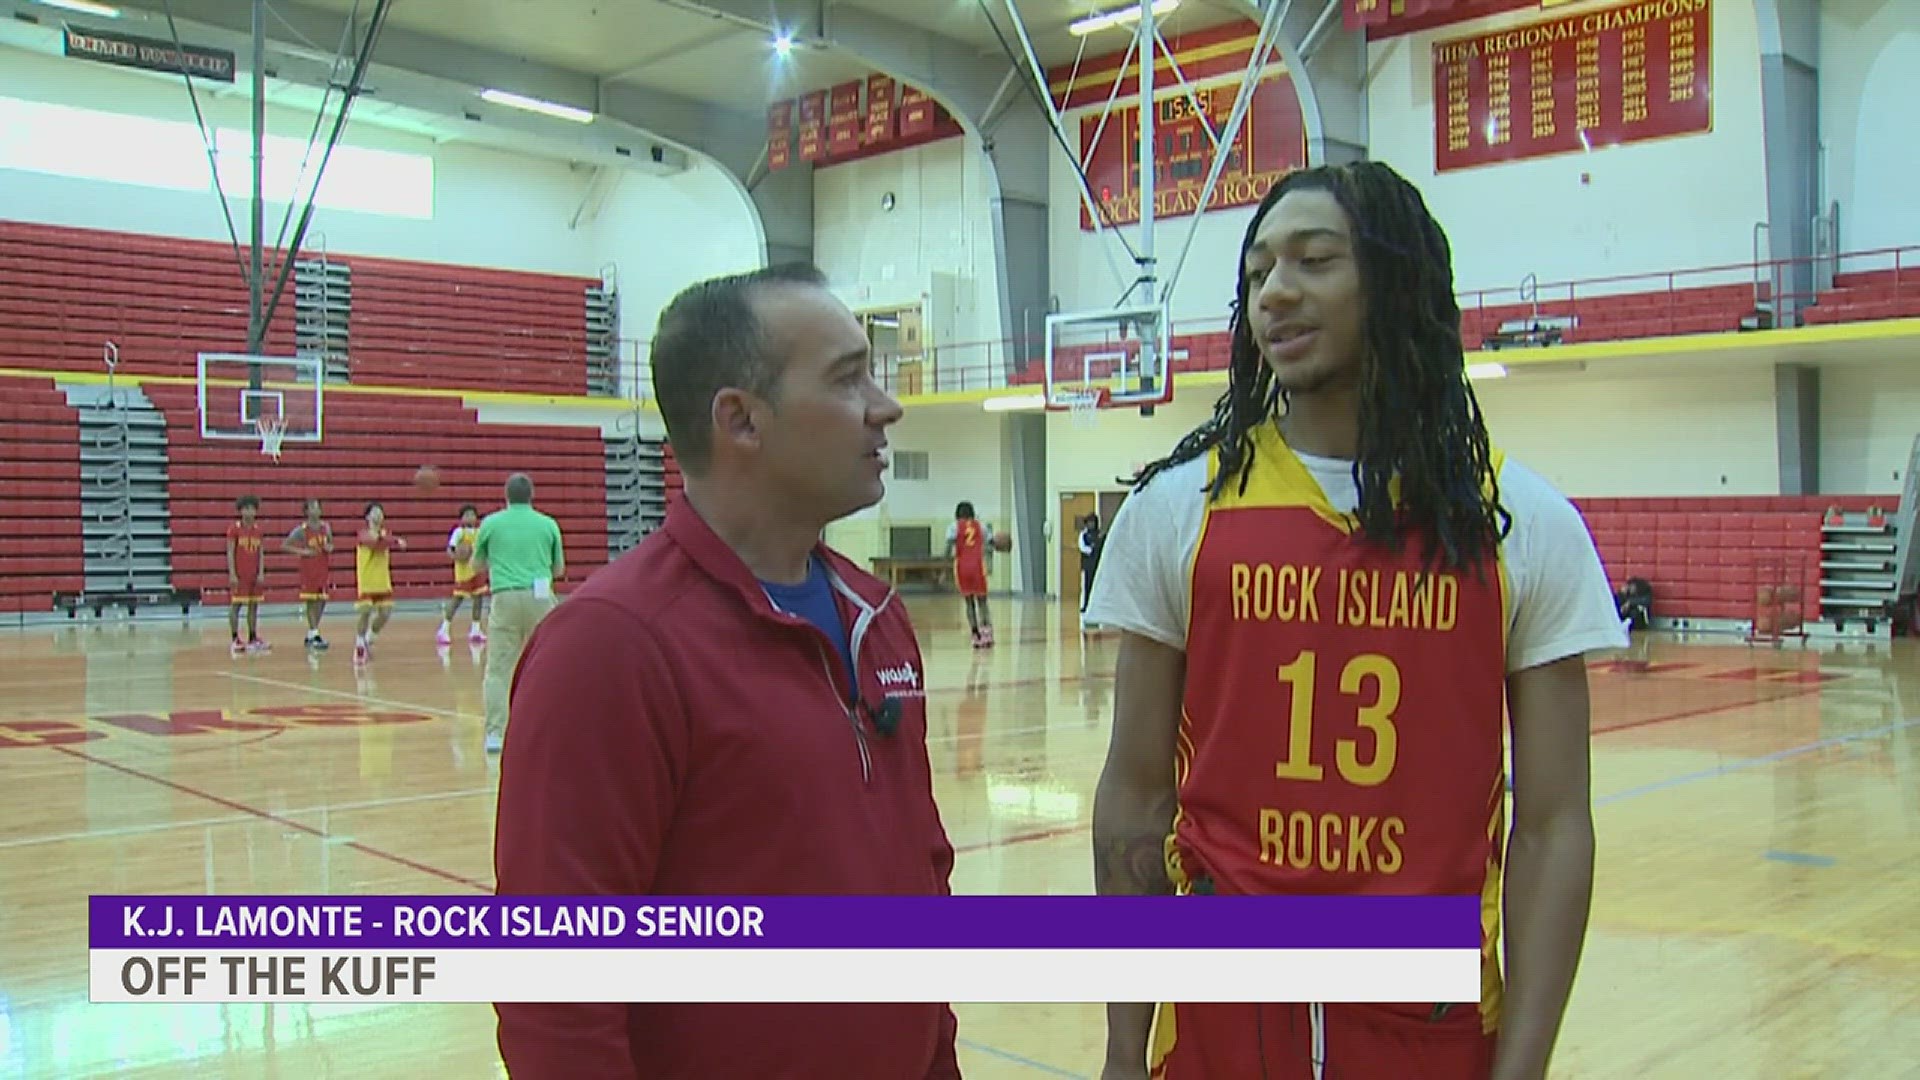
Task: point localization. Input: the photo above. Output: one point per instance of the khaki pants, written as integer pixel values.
(510, 619)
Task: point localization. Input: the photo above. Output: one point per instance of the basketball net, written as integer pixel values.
(272, 433)
(1083, 405)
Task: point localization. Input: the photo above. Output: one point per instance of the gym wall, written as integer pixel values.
(940, 223)
(1869, 80)
(488, 207)
(1653, 206)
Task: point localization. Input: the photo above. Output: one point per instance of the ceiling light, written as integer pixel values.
(783, 44)
(1486, 371)
(1120, 17)
(85, 7)
(535, 105)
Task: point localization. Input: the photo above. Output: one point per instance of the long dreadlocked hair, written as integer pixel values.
(1419, 420)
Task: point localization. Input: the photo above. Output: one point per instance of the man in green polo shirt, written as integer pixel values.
(521, 551)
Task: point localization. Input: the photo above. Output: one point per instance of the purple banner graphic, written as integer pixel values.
(368, 923)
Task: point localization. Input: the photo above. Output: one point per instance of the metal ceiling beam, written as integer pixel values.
(642, 128)
(1330, 78)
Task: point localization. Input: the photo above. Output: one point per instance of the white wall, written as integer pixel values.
(942, 222)
(1869, 415)
(1869, 80)
(968, 458)
(1645, 207)
(1599, 433)
(490, 208)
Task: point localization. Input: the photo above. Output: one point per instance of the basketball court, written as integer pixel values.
(1756, 908)
(1755, 811)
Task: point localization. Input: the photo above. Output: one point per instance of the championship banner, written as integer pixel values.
(813, 126)
(779, 135)
(149, 54)
(783, 949)
(1397, 17)
(1271, 143)
(1356, 14)
(1619, 75)
(844, 119)
(916, 112)
(880, 112)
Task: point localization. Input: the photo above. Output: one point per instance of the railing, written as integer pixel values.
(1663, 302)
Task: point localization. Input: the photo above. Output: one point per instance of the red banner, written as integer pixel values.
(1406, 16)
(779, 135)
(1360, 13)
(1618, 75)
(880, 112)
(844, 119)
(916, 112)
(1272, 143)
(813, 126)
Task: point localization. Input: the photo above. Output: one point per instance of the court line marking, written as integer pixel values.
(239, 819)
(1742, 764)
(368, 698)
(1008, 1055)
(233, 804)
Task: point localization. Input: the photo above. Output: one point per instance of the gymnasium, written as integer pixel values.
(394, 251)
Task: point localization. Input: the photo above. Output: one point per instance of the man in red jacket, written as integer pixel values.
(732, 708)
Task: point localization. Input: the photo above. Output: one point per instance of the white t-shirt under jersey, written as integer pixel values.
(1561, 602)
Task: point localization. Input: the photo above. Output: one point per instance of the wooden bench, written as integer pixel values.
(936, 570)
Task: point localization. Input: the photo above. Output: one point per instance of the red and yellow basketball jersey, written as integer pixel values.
(969, 544)
(246, 549)
(1342, 730)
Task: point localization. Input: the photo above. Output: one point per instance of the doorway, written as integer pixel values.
(1074, 508)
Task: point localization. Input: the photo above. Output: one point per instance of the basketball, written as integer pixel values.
(1002, 541)
(426, 478)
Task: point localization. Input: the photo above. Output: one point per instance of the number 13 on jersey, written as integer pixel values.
(1370, 683)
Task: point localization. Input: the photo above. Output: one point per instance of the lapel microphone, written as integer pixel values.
(885, 719)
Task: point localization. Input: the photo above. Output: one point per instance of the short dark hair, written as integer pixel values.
(964, 510)
(709, 339)
(464, 507)
(520, 488)
(246, 501)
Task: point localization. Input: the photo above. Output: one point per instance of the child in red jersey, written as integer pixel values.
(967, 541)
(246, 576)
(311, 542)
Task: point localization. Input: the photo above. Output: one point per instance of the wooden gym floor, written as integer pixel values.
(1757, 908)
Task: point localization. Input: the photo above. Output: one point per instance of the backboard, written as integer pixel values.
(1120, 354)
(238, 390)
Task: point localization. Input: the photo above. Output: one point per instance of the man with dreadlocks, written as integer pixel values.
(1329, 594)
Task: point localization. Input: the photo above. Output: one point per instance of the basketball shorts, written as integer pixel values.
(475, 586)
(970, 580)
(1352, 1042)
(314, 584)
(375, 600)
(252, 588)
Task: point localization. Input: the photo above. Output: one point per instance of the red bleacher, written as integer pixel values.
(421, 324)
(65, 293)
(40, 543)
(1702, 554)
(1876, 294)
(372, 444)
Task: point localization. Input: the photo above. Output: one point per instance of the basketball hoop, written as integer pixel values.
(1081, 404)
(273, 431)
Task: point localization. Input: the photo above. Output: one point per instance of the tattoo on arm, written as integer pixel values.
(1133, 865)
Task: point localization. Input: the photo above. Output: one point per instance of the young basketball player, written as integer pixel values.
(311, 542)
(374, 579)
(246, 576)
(1330, 595)
(967, 541)
(469, 581)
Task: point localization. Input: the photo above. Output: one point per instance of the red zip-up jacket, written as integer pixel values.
(673, 733)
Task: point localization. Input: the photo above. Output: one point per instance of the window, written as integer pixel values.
(910, 464)
(119, 148)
